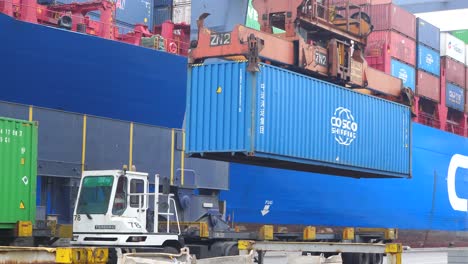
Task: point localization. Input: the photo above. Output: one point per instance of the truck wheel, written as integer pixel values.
(170, 250)
(356, 258)
(376, 259)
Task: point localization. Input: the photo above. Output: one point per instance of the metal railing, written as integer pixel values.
(168, 214)
(455, 128)
(428, 120)
(329, 13)
(450, 125)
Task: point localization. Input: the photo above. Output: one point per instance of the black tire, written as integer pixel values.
(376, 259)
(356, 258)
(170, 250)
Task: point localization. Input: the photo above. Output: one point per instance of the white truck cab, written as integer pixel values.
(112, 210)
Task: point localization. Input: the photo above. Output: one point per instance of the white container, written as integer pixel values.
(452, 47)
(466, 59)
(181, 11)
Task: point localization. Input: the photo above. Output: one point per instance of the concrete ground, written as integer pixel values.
(410, 256)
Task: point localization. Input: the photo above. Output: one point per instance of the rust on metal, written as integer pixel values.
(321, 15)
(242, 41)
(428, 86)
(382, 82)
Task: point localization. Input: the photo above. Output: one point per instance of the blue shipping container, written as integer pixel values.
(428, 34)
(278, 118)
(162, 3)
(404, 72)
(455, 97)
(162, 14)
(128, 12)
(428, 60)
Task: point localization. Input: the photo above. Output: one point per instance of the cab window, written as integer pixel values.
(120, 199)
(137, 186)
(95, 195)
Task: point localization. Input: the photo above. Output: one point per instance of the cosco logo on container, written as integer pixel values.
(455, 97)
(402, 74)
(429, 59)
(344, 126)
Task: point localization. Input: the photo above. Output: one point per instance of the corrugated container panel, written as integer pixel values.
(18, 165)
(405, 72)
(452, 47)
(428, 86)
(163, 3)
(455, 97)
(385, 44)
(392, 17)
(144, 78)
(181, 11)
(162, 14)
(428, 60)
(428, 34)
(453, 71)
(288, 118)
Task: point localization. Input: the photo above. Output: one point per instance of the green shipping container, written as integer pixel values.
(18, 167)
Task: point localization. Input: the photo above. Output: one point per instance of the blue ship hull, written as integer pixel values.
(58, 69)
(420, 203)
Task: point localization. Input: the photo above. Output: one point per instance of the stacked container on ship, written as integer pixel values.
(428, 69)
(463, 35)
(391, 47)
(452, 80)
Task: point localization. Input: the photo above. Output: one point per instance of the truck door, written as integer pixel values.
(128, 204)
(138, 204)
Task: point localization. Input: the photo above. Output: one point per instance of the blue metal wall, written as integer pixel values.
(299, 198)
(280, 115)
(107, 146)
(428, 60)
(405, 72)
(86, 74)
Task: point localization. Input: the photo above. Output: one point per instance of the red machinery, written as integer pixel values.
(75, 17)
(322, 38)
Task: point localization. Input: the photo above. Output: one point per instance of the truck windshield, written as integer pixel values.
(95, 195)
